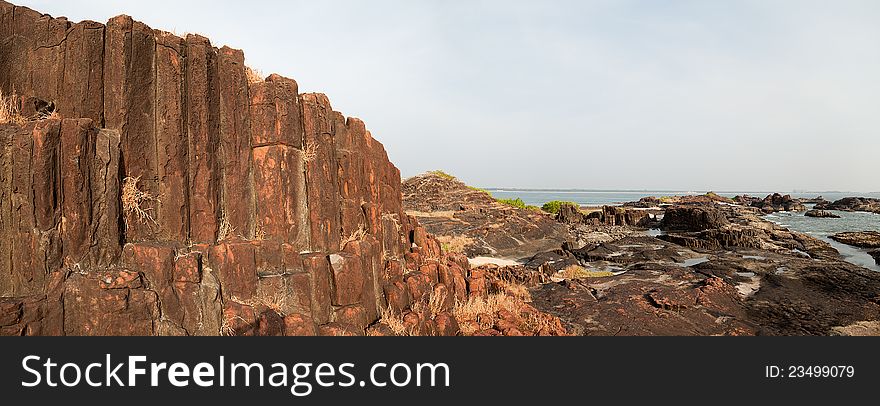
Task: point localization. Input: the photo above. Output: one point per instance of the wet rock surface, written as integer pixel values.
(821, 214)
(862, 239)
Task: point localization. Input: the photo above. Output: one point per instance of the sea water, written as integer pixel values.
(820, 228)
(538, 197)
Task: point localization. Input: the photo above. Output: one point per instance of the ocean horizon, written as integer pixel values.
(538, 197)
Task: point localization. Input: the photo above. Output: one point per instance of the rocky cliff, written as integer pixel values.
(168, 194)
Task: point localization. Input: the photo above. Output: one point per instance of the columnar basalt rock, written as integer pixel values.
(262, 210)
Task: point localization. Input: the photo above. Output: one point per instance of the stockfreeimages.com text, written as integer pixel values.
(137, 370)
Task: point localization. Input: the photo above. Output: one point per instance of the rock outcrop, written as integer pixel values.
(852, 204)
(693, 218)
(449, 208)
(863, 239)
(174, 196)
(605, 216)
(739, 276)
(821, 214)
(773, 203)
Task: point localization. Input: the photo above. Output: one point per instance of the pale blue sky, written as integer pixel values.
(696, 95)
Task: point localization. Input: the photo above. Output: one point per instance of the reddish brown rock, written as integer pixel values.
(299, 325)
(348, 278)
(238, 320)
(105, 203)
(172, 146)
(397, 295)
(236, 267)
(91, 310)
(318, 267)
(321, 172)
(235, 145)
(77, 137)
(338, 330)
(203, 129)
(254, 188)
(446, 324)
(355, 316)
(81, 93)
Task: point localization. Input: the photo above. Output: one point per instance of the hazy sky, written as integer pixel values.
(697, 95)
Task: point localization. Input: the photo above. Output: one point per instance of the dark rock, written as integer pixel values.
(777, 202)
(683, 218)
(863, 239)
(821, 214)
(852, 204)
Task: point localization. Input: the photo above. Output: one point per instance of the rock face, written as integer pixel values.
(447, 207)
(821, 214)
(176, 197)
(693, 218)
(852, 204)
(773, 203)
(605, 216)
(863, 239)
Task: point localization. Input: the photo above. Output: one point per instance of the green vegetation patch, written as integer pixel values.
(555, 205)
(442, 174)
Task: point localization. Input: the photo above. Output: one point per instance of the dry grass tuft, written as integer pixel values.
(433, 214)
(133, 200)
(310, 152)
(394, 321)
(455, 244)
(226, 327)
(357, 235)
(482, 311)
(254, 75)
(579, 272)
(259, 232)
(9, 110)
(226, 230)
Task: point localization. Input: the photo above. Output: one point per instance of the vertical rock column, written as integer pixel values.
(129, 105)
(203, 129)
(81, 94)
(172, 144)
(279, 178)
(321, 173)
(235, 144)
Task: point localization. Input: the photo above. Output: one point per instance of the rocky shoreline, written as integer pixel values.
(712, 266)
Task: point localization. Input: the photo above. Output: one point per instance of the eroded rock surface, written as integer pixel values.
(863, 239)
(174, 195)
(448, 207)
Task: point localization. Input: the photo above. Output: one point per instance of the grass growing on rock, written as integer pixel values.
(455, 244)
(442, 174)
(9, 111)
(554, 206)
(579, 272)
(133, 200)
(518, 203)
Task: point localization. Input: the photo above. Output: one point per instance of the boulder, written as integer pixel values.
(693, 218)
(821, 214)
(777, 202)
